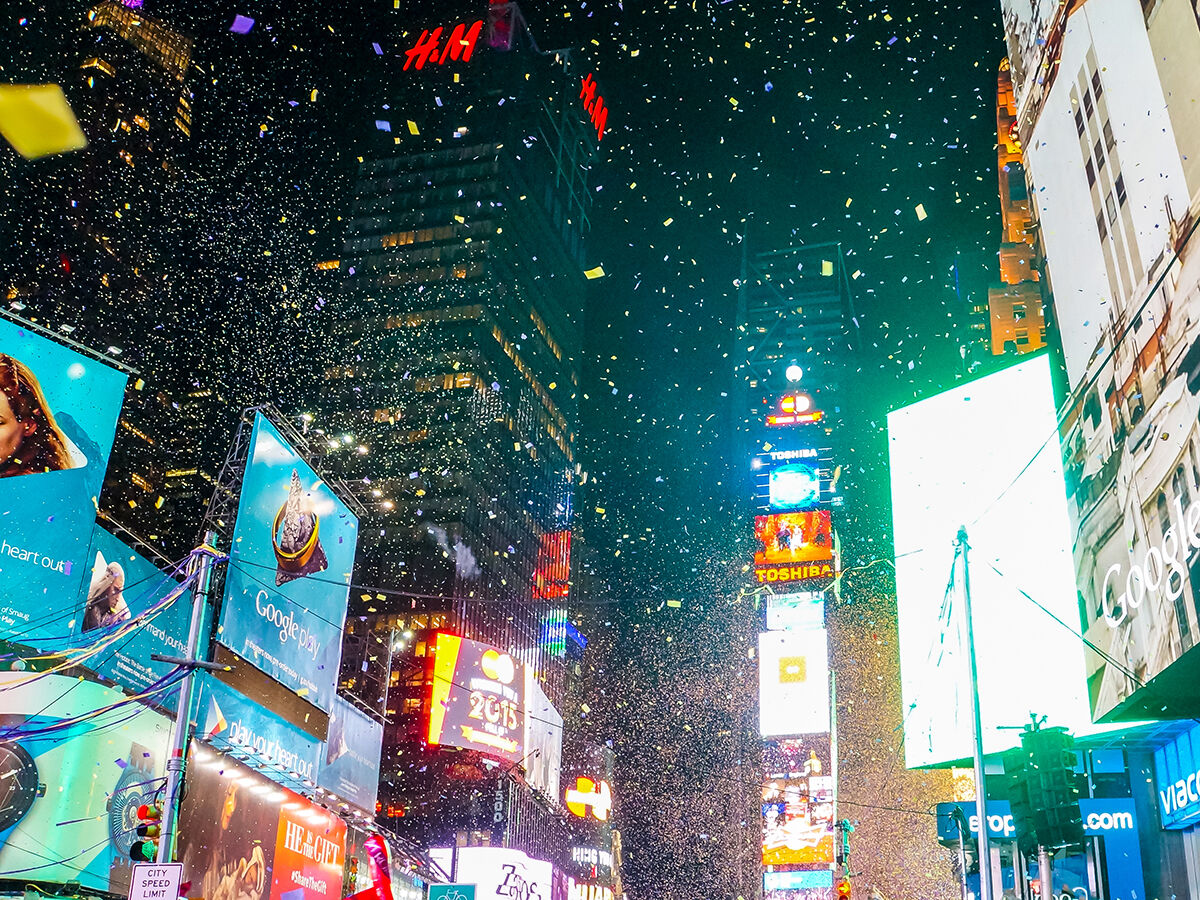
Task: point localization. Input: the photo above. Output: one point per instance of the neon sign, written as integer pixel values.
(794, 409)
(593, 105)
(588, 793)
(460, 45)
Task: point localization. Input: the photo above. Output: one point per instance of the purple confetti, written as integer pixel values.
(378, 49)
(241, 24)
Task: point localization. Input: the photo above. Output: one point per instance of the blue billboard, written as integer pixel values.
(1177, 780)
(58, 415)
(231, 721)
(288, 579)
(350, 762)
(124, 585)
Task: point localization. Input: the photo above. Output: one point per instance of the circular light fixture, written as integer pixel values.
(794, 372)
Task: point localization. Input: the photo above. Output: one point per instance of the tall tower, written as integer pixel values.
(453, 398)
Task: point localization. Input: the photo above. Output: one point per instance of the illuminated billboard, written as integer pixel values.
(288, 578)
(243, 836)
(795, 408)
(552, 574)
(799, 610)
(478, 700)
(793, 682)
(983, 454)
(124, 585)
(797, 802)
(68, 808)
(503, 874)
(58, 415)
(794, 546)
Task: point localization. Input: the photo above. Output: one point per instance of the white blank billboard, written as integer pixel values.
(984, 455)
(793, 682)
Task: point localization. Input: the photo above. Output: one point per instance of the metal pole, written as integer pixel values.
(985, 858)
(1044, 874)
(200, 565)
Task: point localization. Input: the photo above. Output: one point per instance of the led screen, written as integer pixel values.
(58, 415)
(478, 698)
(789, 538)
(796, 611)
(793, 682)
(350, 759)
(798, 819)
(502, 874)
(984, 454)
(794, 486)
(288, 577)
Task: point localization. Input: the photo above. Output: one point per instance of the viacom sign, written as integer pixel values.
(1177, 780)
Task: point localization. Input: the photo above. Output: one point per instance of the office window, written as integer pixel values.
(1120, 186)
(1112, 208)
(1087, 104)
(1099, 152)
(1078, 122)
(1101, 225)
(1090, 168)
(1097, 87)
(1109, 140)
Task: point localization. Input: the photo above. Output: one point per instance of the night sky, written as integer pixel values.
(776, 122)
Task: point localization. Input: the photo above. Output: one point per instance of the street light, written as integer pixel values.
(793, 373)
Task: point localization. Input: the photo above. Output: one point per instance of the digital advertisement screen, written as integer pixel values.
(798, 820)
(543, 740)
(243, 836)
(984, 454)
(478, 698)
(290, 563)
(799, 611)
(58, 415)
(793, 682)
(123, 585)
(70, 795)
(350, 760)
(795, 537)
(501, 874)
(794, 486)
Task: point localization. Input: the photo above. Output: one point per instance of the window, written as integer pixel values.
(1164, 512)
(1101, 225)
(1109, 140)
(1017, 189)
(1099, 153)
(1120, 186)
(1179, 484)
(1087, 104)
(1090, 168)
(1097, 87)
(1078, 122)
(1112, 208)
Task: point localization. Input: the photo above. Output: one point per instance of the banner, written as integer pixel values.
(289, 571)
(72, 790)
(58, 416)
(242, 837)
(121, 586)
(543, 740)
(350, 761)
(229, 720)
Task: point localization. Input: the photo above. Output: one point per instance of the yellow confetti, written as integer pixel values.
(592, 274)
(827, 267)
(412, 127)
(669, 221)
(37, 120)
(921, 214)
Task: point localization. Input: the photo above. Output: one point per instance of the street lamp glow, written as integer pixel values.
(794, 373)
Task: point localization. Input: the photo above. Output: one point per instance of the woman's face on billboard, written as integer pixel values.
(12, 432)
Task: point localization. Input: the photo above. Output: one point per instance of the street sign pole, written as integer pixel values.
(985, 858)
(200, 565)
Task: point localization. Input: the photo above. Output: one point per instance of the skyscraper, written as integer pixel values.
(453, 394)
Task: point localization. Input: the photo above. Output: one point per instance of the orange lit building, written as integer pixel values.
(1015, 315)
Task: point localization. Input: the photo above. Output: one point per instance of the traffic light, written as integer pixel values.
(146, 849)
(843, 888)
(1044, 789)
(1016, 783)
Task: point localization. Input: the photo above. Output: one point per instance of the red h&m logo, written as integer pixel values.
(593, 105)
(460, 45)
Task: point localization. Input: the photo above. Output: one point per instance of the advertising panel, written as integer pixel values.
(288, 577)
(797, 804)
(800, 610)
(795, 546)
(58, 415)
(502, 874)
(68, 809)
(478, 698)
(966, 456)
(792, 479)
(350, 763)
(543, 740)
(139, 585)
(793, 682)
(1027, 26)
(230, 720)
(1177, 780)
(242, 836)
